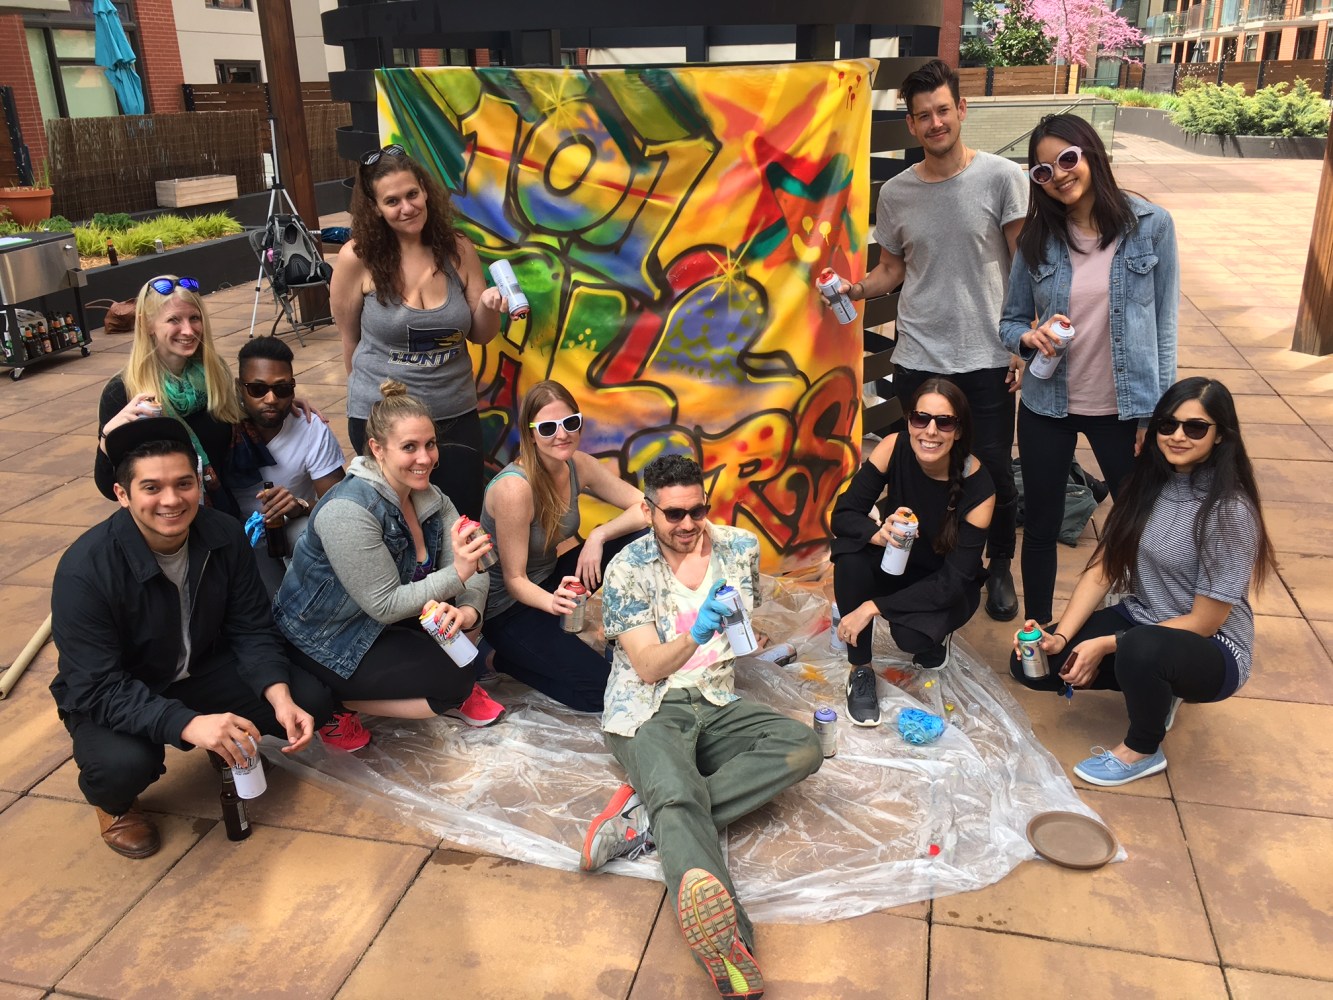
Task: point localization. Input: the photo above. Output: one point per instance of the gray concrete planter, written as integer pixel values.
(1158, 125)
(216, 263)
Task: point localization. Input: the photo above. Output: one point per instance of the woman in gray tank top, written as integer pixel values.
(532, 506)
(408, 296)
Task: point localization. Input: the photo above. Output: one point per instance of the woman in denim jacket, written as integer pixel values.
(1105, 262)
(382, 545)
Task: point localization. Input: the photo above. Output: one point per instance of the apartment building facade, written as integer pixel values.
(1210, 31)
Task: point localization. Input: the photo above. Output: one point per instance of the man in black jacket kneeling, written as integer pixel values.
(165, 636)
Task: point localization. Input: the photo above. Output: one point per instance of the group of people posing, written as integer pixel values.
(173, 630)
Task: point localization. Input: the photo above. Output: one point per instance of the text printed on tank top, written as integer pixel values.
(428, 348)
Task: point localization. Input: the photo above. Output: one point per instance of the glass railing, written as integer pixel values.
(1266, 10)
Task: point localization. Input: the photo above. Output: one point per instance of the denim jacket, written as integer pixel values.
(335, 616)
(1145, 298)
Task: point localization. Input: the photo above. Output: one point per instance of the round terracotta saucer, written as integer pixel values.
(1072, 840)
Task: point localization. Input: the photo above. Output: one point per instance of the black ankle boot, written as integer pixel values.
(1001, 599)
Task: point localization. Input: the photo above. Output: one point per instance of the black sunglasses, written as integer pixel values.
(547, 428)
(677, 514)
(373, 157)
(163, 286)
(258, 390)
(946, 422)
(1044, 173)
(1195, 430)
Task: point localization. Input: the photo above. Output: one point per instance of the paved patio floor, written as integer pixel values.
(1228, 891)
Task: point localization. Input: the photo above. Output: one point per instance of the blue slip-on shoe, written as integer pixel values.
(1105, 768)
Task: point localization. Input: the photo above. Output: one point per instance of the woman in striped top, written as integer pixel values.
(1182, 543)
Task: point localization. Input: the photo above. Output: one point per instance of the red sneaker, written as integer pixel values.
(480, 709)
(345, 732)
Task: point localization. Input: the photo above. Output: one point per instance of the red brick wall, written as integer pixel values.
(161, 67)
(951, 31)
(16, 72)
(430, 57)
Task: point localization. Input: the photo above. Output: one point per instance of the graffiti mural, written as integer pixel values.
(666, 226)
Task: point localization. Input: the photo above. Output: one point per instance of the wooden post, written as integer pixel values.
(293, 148)
(1314, 316)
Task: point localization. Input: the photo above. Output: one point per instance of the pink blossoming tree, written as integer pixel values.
(1080, 27)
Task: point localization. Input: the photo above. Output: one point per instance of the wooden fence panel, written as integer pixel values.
(1244, 73)
(1288, 71)
(972, 81)
(1015, 80)
(111, 164)
(321, 124)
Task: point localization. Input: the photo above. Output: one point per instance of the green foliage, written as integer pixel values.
(211, 227)
(91, 240)
(1275, 111)
(116, 222)
(1131, 98)
(56, 224)
(1014, 38)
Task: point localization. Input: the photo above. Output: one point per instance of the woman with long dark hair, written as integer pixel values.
(1183, 542)
(408, 296)
(1104, 261)
(531, 507)
(930, 472)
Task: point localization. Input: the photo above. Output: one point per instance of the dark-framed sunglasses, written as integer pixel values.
(164, 285)
(1069, 158)
(374, 156)
(1195, 430)
(946, 422)
(675, 515)
(547, 428)
(258, 390)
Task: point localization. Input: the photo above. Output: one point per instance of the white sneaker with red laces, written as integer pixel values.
(480, 709)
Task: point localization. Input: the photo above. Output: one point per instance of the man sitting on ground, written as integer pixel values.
(165, 636)
(300, 457)
(699, 757)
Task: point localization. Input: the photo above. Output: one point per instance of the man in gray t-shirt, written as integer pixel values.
(947, 229)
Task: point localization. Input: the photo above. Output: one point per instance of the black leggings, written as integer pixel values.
(1045, 449)
(1151, 665)
(857, 578)
(460, 473)
(404, 662)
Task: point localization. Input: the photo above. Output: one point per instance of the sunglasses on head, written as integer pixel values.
(946, 422)
(1195, 430)
(163, 286)
(373, 157)
(258, 390)
(547, 428)
(1069, 158)
(677, 514)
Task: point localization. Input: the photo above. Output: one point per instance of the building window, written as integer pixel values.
(231, 71)
(1272, 39)
(229, 4)
(403, 57)
(1305, 43)
(69, 83)
(1229, 49)
(1251, 47)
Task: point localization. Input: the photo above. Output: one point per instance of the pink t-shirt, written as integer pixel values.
(1091, 380)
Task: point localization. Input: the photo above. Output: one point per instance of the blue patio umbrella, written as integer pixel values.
(114, 52)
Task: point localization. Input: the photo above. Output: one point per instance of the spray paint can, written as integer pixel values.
(159, 246)
(502, 273)
(572, 621)
(827, 283)
(826, 728)
(1044, 367)
(459, 647)
(896, 553)
(781, 654)
(737, 622)
(470, 529)
(1031, 655)
(836, 644)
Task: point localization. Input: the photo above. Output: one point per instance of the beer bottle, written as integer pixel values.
(276, 535)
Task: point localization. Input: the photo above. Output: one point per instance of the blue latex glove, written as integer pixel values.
(709, 622)
(254, 528)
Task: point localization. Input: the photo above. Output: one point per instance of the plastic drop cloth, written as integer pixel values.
(855, 837)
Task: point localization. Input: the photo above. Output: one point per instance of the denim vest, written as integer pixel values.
(313, 610)
(1145, 298)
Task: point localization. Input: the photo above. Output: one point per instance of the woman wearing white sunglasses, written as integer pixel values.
(1104, 261)
(531, 507)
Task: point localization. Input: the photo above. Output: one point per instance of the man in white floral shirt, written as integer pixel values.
(699, 757)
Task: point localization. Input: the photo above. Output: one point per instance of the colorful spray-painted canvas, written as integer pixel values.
(667, 226)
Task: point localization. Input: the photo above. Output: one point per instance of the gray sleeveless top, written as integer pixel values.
(541, 558)
(425, 349)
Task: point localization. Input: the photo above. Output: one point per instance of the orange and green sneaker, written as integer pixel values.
(708, 921)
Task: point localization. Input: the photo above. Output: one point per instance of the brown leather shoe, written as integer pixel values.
(132, 835)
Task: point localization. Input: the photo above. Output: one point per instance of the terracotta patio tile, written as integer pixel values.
(1203, 334)
(77, 503)
(1247, 985)
(1308, 578)
(7, 799)
(1300, 383)
(1293, 481)
(967, 963)
(1303, 528)
(282, 914)
(1325, 632)
(1244, 752)
(23, 544)
(35, 742)
(18, 488)
(1290, 663)
(1315, 409)
(1156, 883)
(1263, 410)
(66, 457)
(1266, 879)
(25, 609)
(1279, 360)
(10, 991)
(1274, 599)
(41, 385)
(582, 935)
(1212, 356)
(70, 889)
(1238, 380)
(14, 442)
(1286, 441)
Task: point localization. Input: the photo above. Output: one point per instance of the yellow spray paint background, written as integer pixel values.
(667, 226)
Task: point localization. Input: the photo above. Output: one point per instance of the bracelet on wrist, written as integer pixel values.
(1060, 635)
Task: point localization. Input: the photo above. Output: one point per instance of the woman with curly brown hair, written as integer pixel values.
(407, 295)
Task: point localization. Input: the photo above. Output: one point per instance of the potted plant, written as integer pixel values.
(29, 203)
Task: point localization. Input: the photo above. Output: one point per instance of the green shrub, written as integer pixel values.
(56, 224)
(91, 240)
(1225, 110)
(116, 222)
(211, 227)
(1132, 98)
(140, 238)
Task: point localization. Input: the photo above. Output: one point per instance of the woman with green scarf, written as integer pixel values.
(174, 367)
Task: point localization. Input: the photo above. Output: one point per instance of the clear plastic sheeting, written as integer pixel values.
(881, 824)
